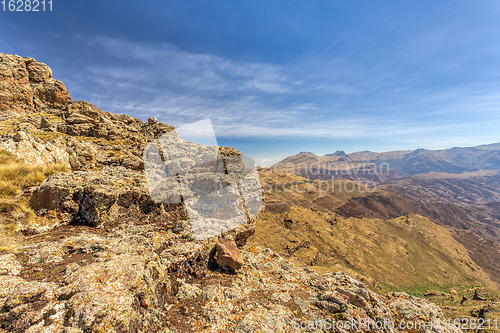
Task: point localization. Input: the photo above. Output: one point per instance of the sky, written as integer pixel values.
(280, 77)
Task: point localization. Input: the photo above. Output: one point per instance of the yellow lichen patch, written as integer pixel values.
(49, 136)
(103, 141)
(49, 117)
(9, 125)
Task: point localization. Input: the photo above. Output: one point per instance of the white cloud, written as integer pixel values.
(200, 72)
(249, 99)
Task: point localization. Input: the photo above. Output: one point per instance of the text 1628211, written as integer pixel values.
(27, 5)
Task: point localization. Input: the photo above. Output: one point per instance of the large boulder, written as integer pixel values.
(82, 155)
(133, 162)
(52, 92)
(37, 71)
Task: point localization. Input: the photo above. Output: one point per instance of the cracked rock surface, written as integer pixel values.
(148, 279)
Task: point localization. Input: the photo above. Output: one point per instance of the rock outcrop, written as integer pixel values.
(27, 85)
(90, 137)
(94, 197)
(59, 130)
(141, 279)
(35, 151)
(16, 94)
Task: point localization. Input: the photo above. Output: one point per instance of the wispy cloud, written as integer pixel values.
(200, 72)
(314, 98)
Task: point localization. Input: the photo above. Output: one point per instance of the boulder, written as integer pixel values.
(133, 162)
(227, 255)
(82, 155)
(9, 265)
(53, 93)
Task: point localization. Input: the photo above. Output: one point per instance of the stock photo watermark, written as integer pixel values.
(322, 187)
(219, 192)
(389, 325)
(26, 5)
(223, 191)
(324, 177)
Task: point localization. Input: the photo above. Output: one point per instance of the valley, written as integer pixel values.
(431, 233)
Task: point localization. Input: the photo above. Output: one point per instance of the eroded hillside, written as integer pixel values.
(433, 231)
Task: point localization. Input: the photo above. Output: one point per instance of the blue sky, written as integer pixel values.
(280, 77)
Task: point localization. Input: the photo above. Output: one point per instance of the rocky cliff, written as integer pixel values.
(99, 255)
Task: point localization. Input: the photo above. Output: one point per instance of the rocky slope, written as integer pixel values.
(145, 279)
(101, 256)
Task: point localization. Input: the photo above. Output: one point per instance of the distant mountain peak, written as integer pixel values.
(337, 153)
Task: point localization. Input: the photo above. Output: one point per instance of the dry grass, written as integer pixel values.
(9, 125)
(16, 175)
(8, 240)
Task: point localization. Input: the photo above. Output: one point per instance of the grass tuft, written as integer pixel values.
(16, 175)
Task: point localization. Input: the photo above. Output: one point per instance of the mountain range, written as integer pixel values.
(397, 164)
